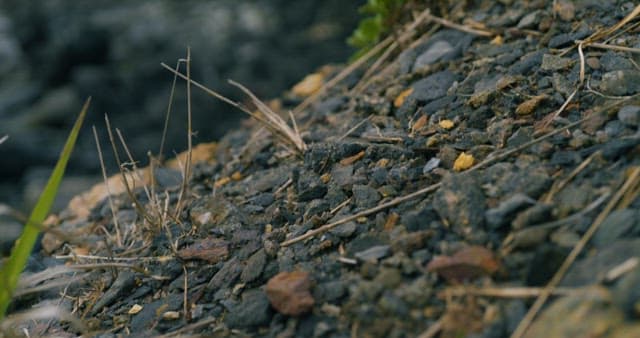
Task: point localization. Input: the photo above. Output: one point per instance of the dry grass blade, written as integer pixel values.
(289, 136)
(116, 224)
(274, 121)
(168, 114)
(614, 47)
(506, 292)
(606, 32)
(125, 180)
(186, 175)
(631, 183)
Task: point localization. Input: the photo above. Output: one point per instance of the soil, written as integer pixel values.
(480, 180)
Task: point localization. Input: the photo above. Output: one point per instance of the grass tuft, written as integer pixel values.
(10, 273)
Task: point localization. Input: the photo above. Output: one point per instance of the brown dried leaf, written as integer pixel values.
(466, 264)
(420, 123)
(352, 159)
(527, 107)
(401, 97)
(309, 85)
(209, 249)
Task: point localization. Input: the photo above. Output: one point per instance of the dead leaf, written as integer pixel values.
(463, 162)
(446, 124)
(309, 85)
(352, 159)
(466, 264)
(401, 97)
(420, 123)
(527, 107)
(209, 249)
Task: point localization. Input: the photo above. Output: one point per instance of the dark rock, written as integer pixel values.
(432, 87)
(263, 200)
(620, 83)
(393, 305)
(629, 115)
(626, 293)
(520, 137)
(503, 213)
(253, 310)
(591, 269)
(254, 267)
(344, 230)
(342, 175)
(538, 213)
(365, 196)
(330, 291)
(613, 149)
(527, 63)
(619, 224)
(458, 201)
(315, 207)
(374, 253)
(144, 321)
(226, 275)
(121, 286)
(310, 187)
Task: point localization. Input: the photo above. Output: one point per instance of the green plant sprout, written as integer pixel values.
(22, 248)
(382, 14)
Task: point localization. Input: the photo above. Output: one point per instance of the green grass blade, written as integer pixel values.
(22, 248)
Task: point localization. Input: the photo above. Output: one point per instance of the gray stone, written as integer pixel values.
(629, 115)
(365, 196)
(226, 275)
(435, 52)
(460, 201)
(554, 63)
(433, 86)
(342, 175)
(316, 207)
(374, 253)
(310, 187)
(592, 269)
(620, 83)
(506, 210)
(122, 285)
(618, 224)
(530, 20)
(344, 230)
(254, 267)
(253, 310)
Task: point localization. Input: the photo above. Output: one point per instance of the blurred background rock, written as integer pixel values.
(55, 53)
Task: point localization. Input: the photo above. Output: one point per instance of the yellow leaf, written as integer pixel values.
(309, 85)
(463, 162)
(446, 124)
(401, 97)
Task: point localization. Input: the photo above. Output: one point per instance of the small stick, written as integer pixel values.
(509, 292)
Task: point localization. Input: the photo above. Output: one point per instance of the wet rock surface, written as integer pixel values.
(404, 245)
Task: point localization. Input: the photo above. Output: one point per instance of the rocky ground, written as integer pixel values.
(482, 181)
